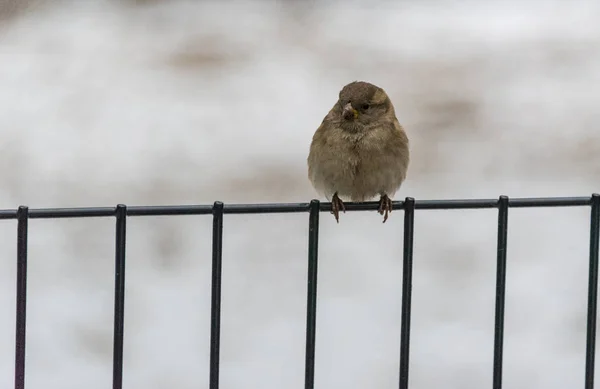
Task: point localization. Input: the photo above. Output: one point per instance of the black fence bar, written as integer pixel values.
(311, 294)
(407, 267)
(172, 210)
(503, 203)
(215, 303)
(409, 205)
(22, 229)
(590, 346)
(119, 314)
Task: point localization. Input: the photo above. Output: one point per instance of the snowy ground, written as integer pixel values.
(191, 102)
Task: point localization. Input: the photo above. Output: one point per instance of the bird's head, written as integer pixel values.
(362, 105)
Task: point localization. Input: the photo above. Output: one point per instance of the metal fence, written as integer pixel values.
(409, 205)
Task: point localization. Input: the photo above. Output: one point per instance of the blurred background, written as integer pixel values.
(181, 102)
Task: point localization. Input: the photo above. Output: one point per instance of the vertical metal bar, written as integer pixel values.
(22, 227)
(590, 346)
(215, 305)
(311, 299)
(407, 268)
(500, 290)
(119, 312)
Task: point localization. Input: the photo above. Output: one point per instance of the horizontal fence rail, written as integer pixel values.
(218, 210)
(172, 210)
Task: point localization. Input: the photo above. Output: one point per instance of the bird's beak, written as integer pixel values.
(349, 113)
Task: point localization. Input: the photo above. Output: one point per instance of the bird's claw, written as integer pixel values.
(336, 205)
(385, 206)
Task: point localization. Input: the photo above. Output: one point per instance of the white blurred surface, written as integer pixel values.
(187, 103)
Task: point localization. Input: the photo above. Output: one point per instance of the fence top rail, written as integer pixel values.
(171, 210)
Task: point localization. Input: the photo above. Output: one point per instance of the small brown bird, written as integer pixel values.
(360, 150)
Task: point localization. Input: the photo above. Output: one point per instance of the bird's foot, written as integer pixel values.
(385, 206)
(336, 205)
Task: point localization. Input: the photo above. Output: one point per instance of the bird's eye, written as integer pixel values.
(365, 106)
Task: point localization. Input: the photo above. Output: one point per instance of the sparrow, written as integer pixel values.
(360, 150)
